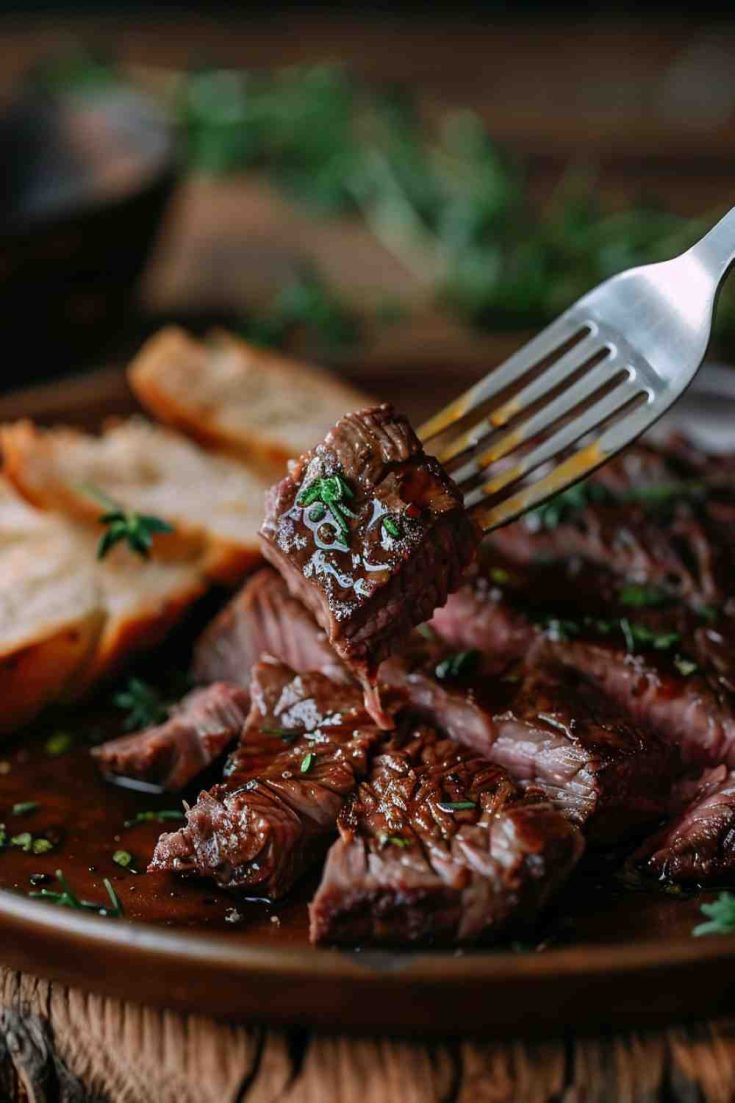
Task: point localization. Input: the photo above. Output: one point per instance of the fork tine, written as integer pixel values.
(601, 375)
(533, 392)
(548, 341)
(571, 470)
(558, 442)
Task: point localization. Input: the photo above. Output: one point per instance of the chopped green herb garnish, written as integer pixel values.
(58, 743)
(720, 916)
(289, 735)
(143, 703)
(458, 665)
(636, 636)
(564, 505)
(665, 493)
(3, 835)
(67, 898)
(307, 762)
(426, 631)
(394, 840)
(330, 492)
(639, 596)
(457, 805)
(392, 527)
(25, 807)
(30, 844)
(160, 816)
(499, 576)
(685, 666)
(123, 858)
(125, 526)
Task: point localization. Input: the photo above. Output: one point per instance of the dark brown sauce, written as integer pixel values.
(88, 815)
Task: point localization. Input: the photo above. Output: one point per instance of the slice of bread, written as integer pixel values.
(68, 620)
(51, 612)
(229, 395)
(214, 503)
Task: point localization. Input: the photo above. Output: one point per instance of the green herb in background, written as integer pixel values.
(720, 916)
(310, 306)
(446, 200)
(143, 703)
(442, 197)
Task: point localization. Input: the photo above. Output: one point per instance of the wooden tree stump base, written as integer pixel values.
(60, 1045)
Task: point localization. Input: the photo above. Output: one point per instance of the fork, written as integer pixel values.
(586, 386)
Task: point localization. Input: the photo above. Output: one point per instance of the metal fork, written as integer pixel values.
(586, 386)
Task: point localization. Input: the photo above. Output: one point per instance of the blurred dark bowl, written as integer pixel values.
(87, 174)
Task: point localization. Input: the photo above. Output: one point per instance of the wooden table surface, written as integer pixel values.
(653, 106)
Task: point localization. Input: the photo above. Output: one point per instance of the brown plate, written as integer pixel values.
(606, 956)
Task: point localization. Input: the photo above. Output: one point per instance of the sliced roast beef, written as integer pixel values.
(550, 728)
(685, 710)
(438, 846)
(697, 847)
(561, 734)
(476, 617)
(625, 540)
(200, 728)
(263, 619)
(370, 533)
(304, 748)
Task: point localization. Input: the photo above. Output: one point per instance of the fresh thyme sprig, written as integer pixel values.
(67, 898)
(720, 915)
(125, 526)
(330, 492)
(144, 705)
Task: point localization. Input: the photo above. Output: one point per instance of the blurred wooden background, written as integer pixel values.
(648, 103)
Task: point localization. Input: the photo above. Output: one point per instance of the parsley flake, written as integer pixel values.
(58, 743)
(25, 807)
(458, 665)
(160, 816)
(307, 762)
(457, 805)
(392, 527)
(720, 915)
